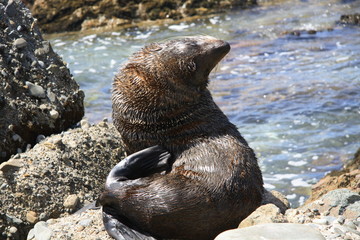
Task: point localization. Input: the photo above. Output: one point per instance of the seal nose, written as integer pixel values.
(224, 47)
(219, 49)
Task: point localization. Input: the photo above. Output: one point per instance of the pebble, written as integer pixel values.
(71, 201)
(85, 222)
(31, 217)
(41, 231)
(10, 165)
(321, 221)
(20, 43)
(84, 124)
(16, 138)
(39, 138)
(13, 230)
(35, 90)
(10, 8)
(54, 114)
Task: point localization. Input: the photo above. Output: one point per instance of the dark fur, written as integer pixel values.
(160, 98)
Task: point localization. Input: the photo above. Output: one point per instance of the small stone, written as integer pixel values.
(71, 201)
(10, 8)
(31, 217)
(35, 90)
(341, 220)
(20, 43)
(54, 114)
(16, 138)
(41, 63)
(84, 124)
(41, 231)
(43, 106)
(80, 228)
(350, 224)
(51, 95)
(12, 164)
(338, 231)
(13, 230)
(4, 73)
(39, 138)
(85, 222)
(103, 124)
(321, 221)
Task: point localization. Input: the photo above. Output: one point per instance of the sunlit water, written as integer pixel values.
(294, 98)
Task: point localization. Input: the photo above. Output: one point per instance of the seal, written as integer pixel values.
(190, 175)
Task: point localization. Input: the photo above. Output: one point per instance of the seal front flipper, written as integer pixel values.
(140, 164)
(118, 230)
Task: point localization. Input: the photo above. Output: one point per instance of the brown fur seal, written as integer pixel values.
(202, 177)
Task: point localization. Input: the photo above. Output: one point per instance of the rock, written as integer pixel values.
(85, 222)
(26, 83)
(336, 203)
(277, 199)
(20, 43)
(10, 8)
(41, 231)
(36, 90)
(268, 213)
(74, 15)
(54, 114)
(56, 178)
(350, 19)
(79, 226)
(31, 217)
(71, 201)
(270, 231)
(12, 164)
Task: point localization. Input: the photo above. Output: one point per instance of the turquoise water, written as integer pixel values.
(294, 98)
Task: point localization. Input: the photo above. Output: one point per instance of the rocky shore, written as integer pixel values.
(58, 15)
(38, 95)
(44, 181)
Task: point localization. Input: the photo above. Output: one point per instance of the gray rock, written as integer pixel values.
(85, 222)
(321, 221)
(54, 114)
(10, 9)
(271, 231)
(41, 231)
(35, 90)
(20, 43)
(71, 201)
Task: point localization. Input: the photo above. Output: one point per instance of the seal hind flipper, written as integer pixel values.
(140, 164)
(119, 230)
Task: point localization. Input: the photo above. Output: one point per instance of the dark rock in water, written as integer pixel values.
(351, 19)
(74, 15)
(29, 69)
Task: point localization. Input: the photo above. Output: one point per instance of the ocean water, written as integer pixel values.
(291, 82)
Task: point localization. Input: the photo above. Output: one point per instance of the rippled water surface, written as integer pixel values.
(295, 98)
